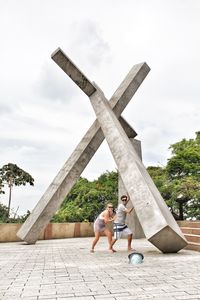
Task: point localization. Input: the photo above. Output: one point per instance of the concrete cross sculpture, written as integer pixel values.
(158, 224)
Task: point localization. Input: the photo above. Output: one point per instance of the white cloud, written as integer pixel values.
(44, 114)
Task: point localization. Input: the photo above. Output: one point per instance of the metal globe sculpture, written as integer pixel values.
(135, 258)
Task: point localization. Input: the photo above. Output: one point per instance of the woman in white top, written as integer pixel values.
(105, 217)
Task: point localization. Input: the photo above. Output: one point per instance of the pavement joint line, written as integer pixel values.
(62, 271)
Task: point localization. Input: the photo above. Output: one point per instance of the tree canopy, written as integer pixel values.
(185, 160)
(179, 181)
(88, 198)
(3, 213)
(10, 175)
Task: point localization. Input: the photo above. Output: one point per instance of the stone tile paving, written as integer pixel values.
(65, 269)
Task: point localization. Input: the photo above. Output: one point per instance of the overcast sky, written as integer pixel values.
(44, 114)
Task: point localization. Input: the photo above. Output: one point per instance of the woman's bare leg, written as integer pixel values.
(97, 236)
(108, 233)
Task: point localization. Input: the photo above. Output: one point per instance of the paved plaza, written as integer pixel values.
(65, 269)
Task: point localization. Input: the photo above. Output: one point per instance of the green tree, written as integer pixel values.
(11, 175)
(19, 219)
(3, 213)
(165, 186)
(88, 198)
(183, 168)
(1, 187)
(179, 181)
(185, 160)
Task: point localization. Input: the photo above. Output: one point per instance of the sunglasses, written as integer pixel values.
(124, 200)
(110, 207)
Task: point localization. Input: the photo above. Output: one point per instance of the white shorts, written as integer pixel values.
(121, 231)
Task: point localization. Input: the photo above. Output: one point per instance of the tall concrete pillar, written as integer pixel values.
(132, 219)
(158, 224)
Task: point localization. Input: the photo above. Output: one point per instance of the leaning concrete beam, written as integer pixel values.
(72, 169)
(158, 224)
(73, 72)
(132, 219)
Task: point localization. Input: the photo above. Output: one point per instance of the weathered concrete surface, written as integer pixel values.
(73, 72)
(157, 222)
(72, 169)
(131, 219)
